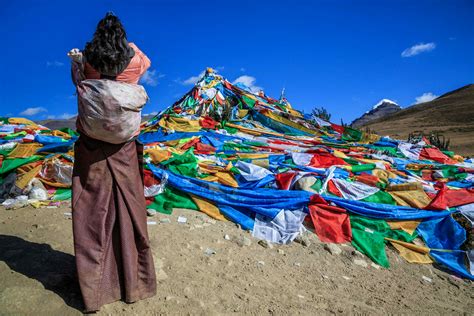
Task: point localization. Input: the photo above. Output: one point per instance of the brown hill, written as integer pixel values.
(59, 123)
(71, 123)
(452, 114)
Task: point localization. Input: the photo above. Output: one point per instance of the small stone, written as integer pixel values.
(209, 252)
(376, 266)
(182, 219)
(346, 277)
(300, 296)
(303, 240)
(261, 263)
(297, 264)
(358, 254)
(281, 251)
(426, 279)
(333, 249)
(226, 237)
(243, 241)
(198, 226)
(201, 217)
(454, 280)
(360, 262)
(168, 298)
(187, 291)
(165, 220)
(265, 244)
(158, 263)
(161, 275)
(150, 212)
(211, 221)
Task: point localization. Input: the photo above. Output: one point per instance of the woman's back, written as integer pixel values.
(135, 69)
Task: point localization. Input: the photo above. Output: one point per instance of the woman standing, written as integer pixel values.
(112, 249)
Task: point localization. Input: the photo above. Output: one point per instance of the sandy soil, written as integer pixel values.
(37, 273)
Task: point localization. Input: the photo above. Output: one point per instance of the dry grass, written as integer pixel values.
(451, 114)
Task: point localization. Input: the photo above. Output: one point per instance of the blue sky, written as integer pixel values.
(342, 55)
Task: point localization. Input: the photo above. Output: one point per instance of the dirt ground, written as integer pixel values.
(37, 273)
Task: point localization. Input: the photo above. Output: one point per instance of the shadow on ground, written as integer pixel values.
(56, 270)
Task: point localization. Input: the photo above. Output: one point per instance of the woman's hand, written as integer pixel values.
(76, 55)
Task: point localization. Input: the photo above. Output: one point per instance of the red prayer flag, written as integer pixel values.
(284, 180)
(331, 223)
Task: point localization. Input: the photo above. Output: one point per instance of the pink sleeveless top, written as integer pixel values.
(135, 69)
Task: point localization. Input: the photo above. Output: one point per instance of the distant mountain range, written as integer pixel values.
(451, 114)
(384, 108)
(59, 123)
(71, 123)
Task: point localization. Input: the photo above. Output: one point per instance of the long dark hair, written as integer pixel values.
(109, 52)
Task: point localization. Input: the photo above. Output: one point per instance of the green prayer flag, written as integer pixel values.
(62, 194)
(11, 164)
(351, 135)
(368, 236)
(184, 164)
(172, 198)
(364, 167)
(380, 197)
(248, 101)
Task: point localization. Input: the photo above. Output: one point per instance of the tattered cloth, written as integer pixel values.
(111, 245)
(108, 110)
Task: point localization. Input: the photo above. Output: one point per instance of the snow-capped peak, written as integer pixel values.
(382, 102)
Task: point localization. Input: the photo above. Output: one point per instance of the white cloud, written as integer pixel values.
(418, 49)
(54, 63)
(425, 97)
(64, 116)
(242, 69)
(150, 77)
(248, 81)
(151, 113)
(33, 111)
(193, 79)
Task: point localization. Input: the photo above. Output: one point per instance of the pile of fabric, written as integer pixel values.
(35, 164)
(277, 172)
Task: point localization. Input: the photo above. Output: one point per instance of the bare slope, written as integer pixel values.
(452, 114)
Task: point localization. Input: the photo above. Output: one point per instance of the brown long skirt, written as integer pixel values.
(113, 255)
